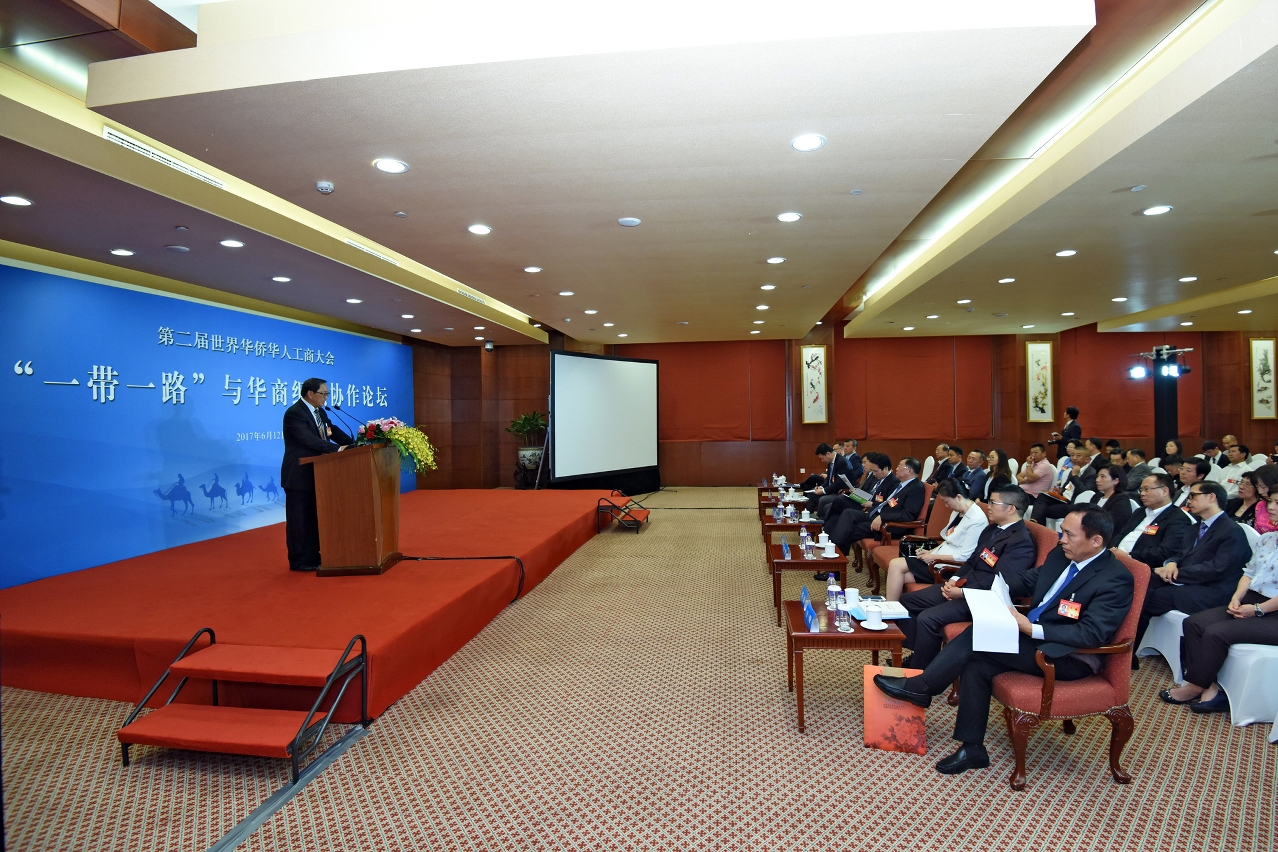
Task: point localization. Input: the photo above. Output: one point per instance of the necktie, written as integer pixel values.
(1041, 608)
(1202, 531)
(318, 423)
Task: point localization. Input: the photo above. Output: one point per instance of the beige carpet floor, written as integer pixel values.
(637, 700)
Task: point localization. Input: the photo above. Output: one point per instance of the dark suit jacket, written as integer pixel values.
(1217, 559)
(1015, 551)
(1168, 542)
(943, 471)
(1071, 430)
(909, 502)
(833, 484)
(1087, 476)
(880, 488)
(302, 439)
(1137, 475)
(975, 480)
(999, 481)
(854, 464)
(1104, 588)
(1119, 507)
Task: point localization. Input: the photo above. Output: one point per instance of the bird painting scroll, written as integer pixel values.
(816, 407)
(1262, 379)
(1038, 374)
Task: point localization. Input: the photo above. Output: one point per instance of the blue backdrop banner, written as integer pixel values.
(138, 421)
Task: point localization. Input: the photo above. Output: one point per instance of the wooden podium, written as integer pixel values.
(357, 497)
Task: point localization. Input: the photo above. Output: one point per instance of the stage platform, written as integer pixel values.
(110, 631)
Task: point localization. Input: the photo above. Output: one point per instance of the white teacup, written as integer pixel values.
(823, 538)
(804, 515)
(830, 551)
(853, 596)
(873, 616)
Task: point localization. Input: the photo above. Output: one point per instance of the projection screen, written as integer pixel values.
(603, 414)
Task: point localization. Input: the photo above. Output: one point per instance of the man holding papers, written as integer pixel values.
(829, 482)
(1079, 598)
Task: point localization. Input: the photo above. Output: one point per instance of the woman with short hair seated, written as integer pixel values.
(1251, 617)
(998, 473)
(958, 539)
(1243, 507)
(1110, 495)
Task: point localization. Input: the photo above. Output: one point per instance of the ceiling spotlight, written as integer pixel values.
(1172, 370)
(758, 322)
(536, 325)
(1119, 299)
(1138, 187)
(908, 328)
(964, 301)
(415, 330)
(760, 307)
(282, 279)
(480, 337)
(448, 328)
(355, 301)
(391, 167)
(782, 259)
(1186, 322)
(767, 286)
(808, 142)
(628, 222)
(609, 324)
(818, 322)
(1066, 253)
(480, 230)
(855, 192)
(754, 331)
(1068, 314)
(1157, 210)
(933, 316)
(400, 214)
(177, 248)
(565, 292)
(16, 200)
(789, 217)
(623, 334)
(121, 252)
(1006, 280)
(405, 316)
(1246, 311)
(232, 243)
(479, 328)
(1137, 372)
(682, 322)
(591, 312)
(532, 269)
(1027, 326)
(1188, 278)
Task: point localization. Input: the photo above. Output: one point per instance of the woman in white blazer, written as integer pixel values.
(958, 539)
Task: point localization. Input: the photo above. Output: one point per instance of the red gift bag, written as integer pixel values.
(892, 725)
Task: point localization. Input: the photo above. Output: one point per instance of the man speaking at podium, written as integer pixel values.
(307, 432)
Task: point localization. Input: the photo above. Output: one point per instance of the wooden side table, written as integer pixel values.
(796, 562)
(797, 638)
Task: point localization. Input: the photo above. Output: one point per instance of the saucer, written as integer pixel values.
(866, 625)
(835, 556)
(844, 629)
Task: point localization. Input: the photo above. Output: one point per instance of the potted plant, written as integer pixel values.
(528, 427)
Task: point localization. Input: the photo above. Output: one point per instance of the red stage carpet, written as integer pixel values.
(110, 631)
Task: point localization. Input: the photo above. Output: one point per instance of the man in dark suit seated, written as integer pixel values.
(974, 478)
(1191, 471)
(817, 477)
(1080, 477)
(1079, 599)
(943, 464)
(879, 484)
(1005, 548)
(1158, 532)
(307, 432)
(903, 503)
(1138, 469)
(1206, 573)
(830, 484)
(958, 469)
(853, 458)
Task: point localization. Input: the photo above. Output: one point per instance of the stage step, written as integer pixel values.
(228, 730)
(259, 664)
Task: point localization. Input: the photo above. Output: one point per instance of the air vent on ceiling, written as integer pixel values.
(112, 135)
(368, 250)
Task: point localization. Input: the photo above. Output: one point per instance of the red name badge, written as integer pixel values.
(878, 498)
(1070, 609)
(892, 502)
(1152, 529)
(989, 557)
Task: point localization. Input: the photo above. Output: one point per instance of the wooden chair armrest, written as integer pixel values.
(1049, 685)
(940, 575)
(889, 526)
(945, 560)
(914, 538)
(1120, 648)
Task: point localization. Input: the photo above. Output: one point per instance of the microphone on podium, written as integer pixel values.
(346, 418)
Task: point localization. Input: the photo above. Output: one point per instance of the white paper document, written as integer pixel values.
(993, 625)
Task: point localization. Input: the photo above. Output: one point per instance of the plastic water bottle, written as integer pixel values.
(785, 548)
(776, 514)
(832, 593)
(809, 549)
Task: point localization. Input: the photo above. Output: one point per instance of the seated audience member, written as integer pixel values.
(1070, 430)
(967, 519)
(1037, 474)
(879, 483)
(1211, 452)
(1227, 442)
(1081, 573)
(1110, 495)
(974, 479)
(853, 459)
(831, 483)
(904, 503)
(1193, 470)
(1078, 478)
(943, 466)
(1273, 457)
(1173, 448)
(1237, 457)
(1247, 618)
(1171, 465)
(817, 477)
(1005, 548)
(998, 473)
(1206, 573)
(1118, 459)
(1159, 531)
(1097, 455)
(1137, 469)
(1267, 499)
(958, 470)
(1243, 507)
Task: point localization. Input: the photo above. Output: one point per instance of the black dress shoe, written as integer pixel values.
(821, 575)
(908, 662)
(1219, 704)
(1170, 699)
(967, 757)
(312, 569)
(895, 687)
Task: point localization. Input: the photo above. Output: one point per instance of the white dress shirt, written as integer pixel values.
(1036, 630)
(1129, 540)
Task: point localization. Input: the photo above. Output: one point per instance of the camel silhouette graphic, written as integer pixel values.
(217, 492)
(270, 489)
(245, 490)
(177, 494)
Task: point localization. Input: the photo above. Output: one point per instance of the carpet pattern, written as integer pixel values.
(637, 700)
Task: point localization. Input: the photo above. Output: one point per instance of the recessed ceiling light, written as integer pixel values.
(448, 328)
(908, 328)
(628, 222)
(1138, 187)
(391, 167)
(1119, 299)
(565, 292)
(1066, 253)
(760, 307)
(754, 331)
(789, 217)
(1275, 251)
(767, 286)
(933, 316)
(532, 269)
(355, 301)
(591, 312)
(232, 243)
(758, 322)
(480, 229)
(480, 337)
(479, 328)
(415, 330)
(16, 200)
(682, 322)
(1186, 322)
(1000, 313)
(1157, 210)
(1006, 280)
(121, 252)
(400, 214)
(818, 322)
(965, 301)
(855, 192)
(536, 325)
(782, 259)
(1027, 326)
(282, 279)
(1245, 312)
(808, 142)
(405, 316)
(609, 324)
(1068, 314)
(177, 248)
(623, 334)
(1188, 278)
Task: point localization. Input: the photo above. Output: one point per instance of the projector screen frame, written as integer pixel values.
(550, 433)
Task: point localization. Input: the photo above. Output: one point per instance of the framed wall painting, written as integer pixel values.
(1038, 378)
(1262, 379)
(816, 407)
